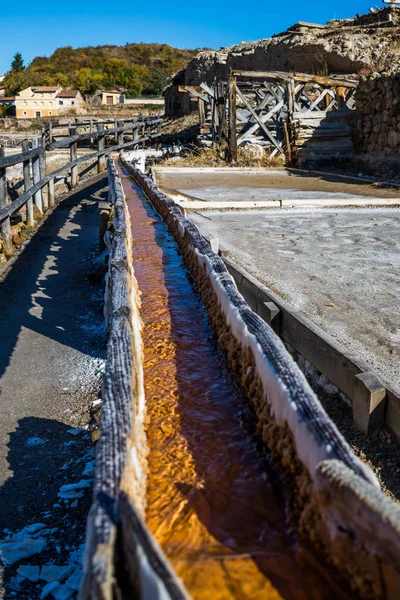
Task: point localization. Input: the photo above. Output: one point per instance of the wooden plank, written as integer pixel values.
(232, 140)
(37, 198)
(5, 227)
(303, 77)
(27, 184)
(263, 119)
(258, 120)
(15, 159)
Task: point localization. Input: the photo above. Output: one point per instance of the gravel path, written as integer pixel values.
(52, 350)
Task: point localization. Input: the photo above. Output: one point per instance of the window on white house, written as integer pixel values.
(42, 104)
(25, 104)
(50, 104)
(61, 102)
(49, 112)
(24, 113)
(35, 104)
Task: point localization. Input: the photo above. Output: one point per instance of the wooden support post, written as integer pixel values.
(104, 216)
(73, 156)
(50, 132)
(232, 141)
(37, 198)
(42, 165)
(91, 131)
(115, 127)
(120, 138)
(135, 134)
(143, 135)
(5, 227)
(26, 165)
(101, 160)
(340, 97)
(271, 315)
(202, 113)
(51, 193)
(368, 402)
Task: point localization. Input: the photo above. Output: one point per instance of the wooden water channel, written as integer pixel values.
(39, 186)
(288, 113)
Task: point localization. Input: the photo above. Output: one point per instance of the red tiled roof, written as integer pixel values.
(67, 94)
(9, 98)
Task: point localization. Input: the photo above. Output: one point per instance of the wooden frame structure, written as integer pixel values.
(263, 107)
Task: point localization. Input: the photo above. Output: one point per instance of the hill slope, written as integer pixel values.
(136, 68)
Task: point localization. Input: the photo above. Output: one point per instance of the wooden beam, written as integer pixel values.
(26, 166)
(304, 77)
(258, 120)
(232, 141)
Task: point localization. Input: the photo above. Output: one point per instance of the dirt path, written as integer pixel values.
(52, 349)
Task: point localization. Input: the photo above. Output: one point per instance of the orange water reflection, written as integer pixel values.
(213, 501)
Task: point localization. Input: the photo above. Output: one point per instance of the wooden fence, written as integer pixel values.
(39, 186)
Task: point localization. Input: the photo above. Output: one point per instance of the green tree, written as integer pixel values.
(17, 63)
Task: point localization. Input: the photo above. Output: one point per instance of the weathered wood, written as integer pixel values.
(37, 198)
(303, 77)
(26, 166)
(51, 193)
(101, 161)
(120, 136)
(42, 168)
(202, 114)
(73, 150)
(263, 118)
(15, 159)
(259, 121)
(232, 140)
(368, 402)
(5, 227)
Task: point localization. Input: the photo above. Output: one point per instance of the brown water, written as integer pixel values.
(214, 503)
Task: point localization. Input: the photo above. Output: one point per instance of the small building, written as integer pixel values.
(69, 99)
(111, 97)
(2, 91)
(36, 102)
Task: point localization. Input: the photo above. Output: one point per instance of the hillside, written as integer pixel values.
(136, 68)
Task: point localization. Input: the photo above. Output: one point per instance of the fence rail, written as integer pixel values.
(39, 187)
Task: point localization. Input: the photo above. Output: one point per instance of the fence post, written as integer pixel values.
(51, 193)
(26, 165)
(50, 132)
(135, 134)
(116, 134)
(101, 160)
(42, 165)
(91, 131)
(73, 155)
(5, 227)
(120, 139)
(37, 197)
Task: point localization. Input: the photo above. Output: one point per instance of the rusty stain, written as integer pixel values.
(212, 497)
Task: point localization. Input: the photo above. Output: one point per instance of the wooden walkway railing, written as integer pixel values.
(39, 186)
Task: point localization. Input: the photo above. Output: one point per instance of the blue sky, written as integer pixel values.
(38, 28)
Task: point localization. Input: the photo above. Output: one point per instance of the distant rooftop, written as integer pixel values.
(67, 94)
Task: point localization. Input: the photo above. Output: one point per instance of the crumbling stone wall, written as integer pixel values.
(376, 127)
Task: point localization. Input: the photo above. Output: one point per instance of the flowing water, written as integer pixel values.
(213, 500)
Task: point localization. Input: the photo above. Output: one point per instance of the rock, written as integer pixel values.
(51, 573)
(13, 550)
(253, 152)
(49, 589)
(62, 592)
(75, 580)
(30, 572)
